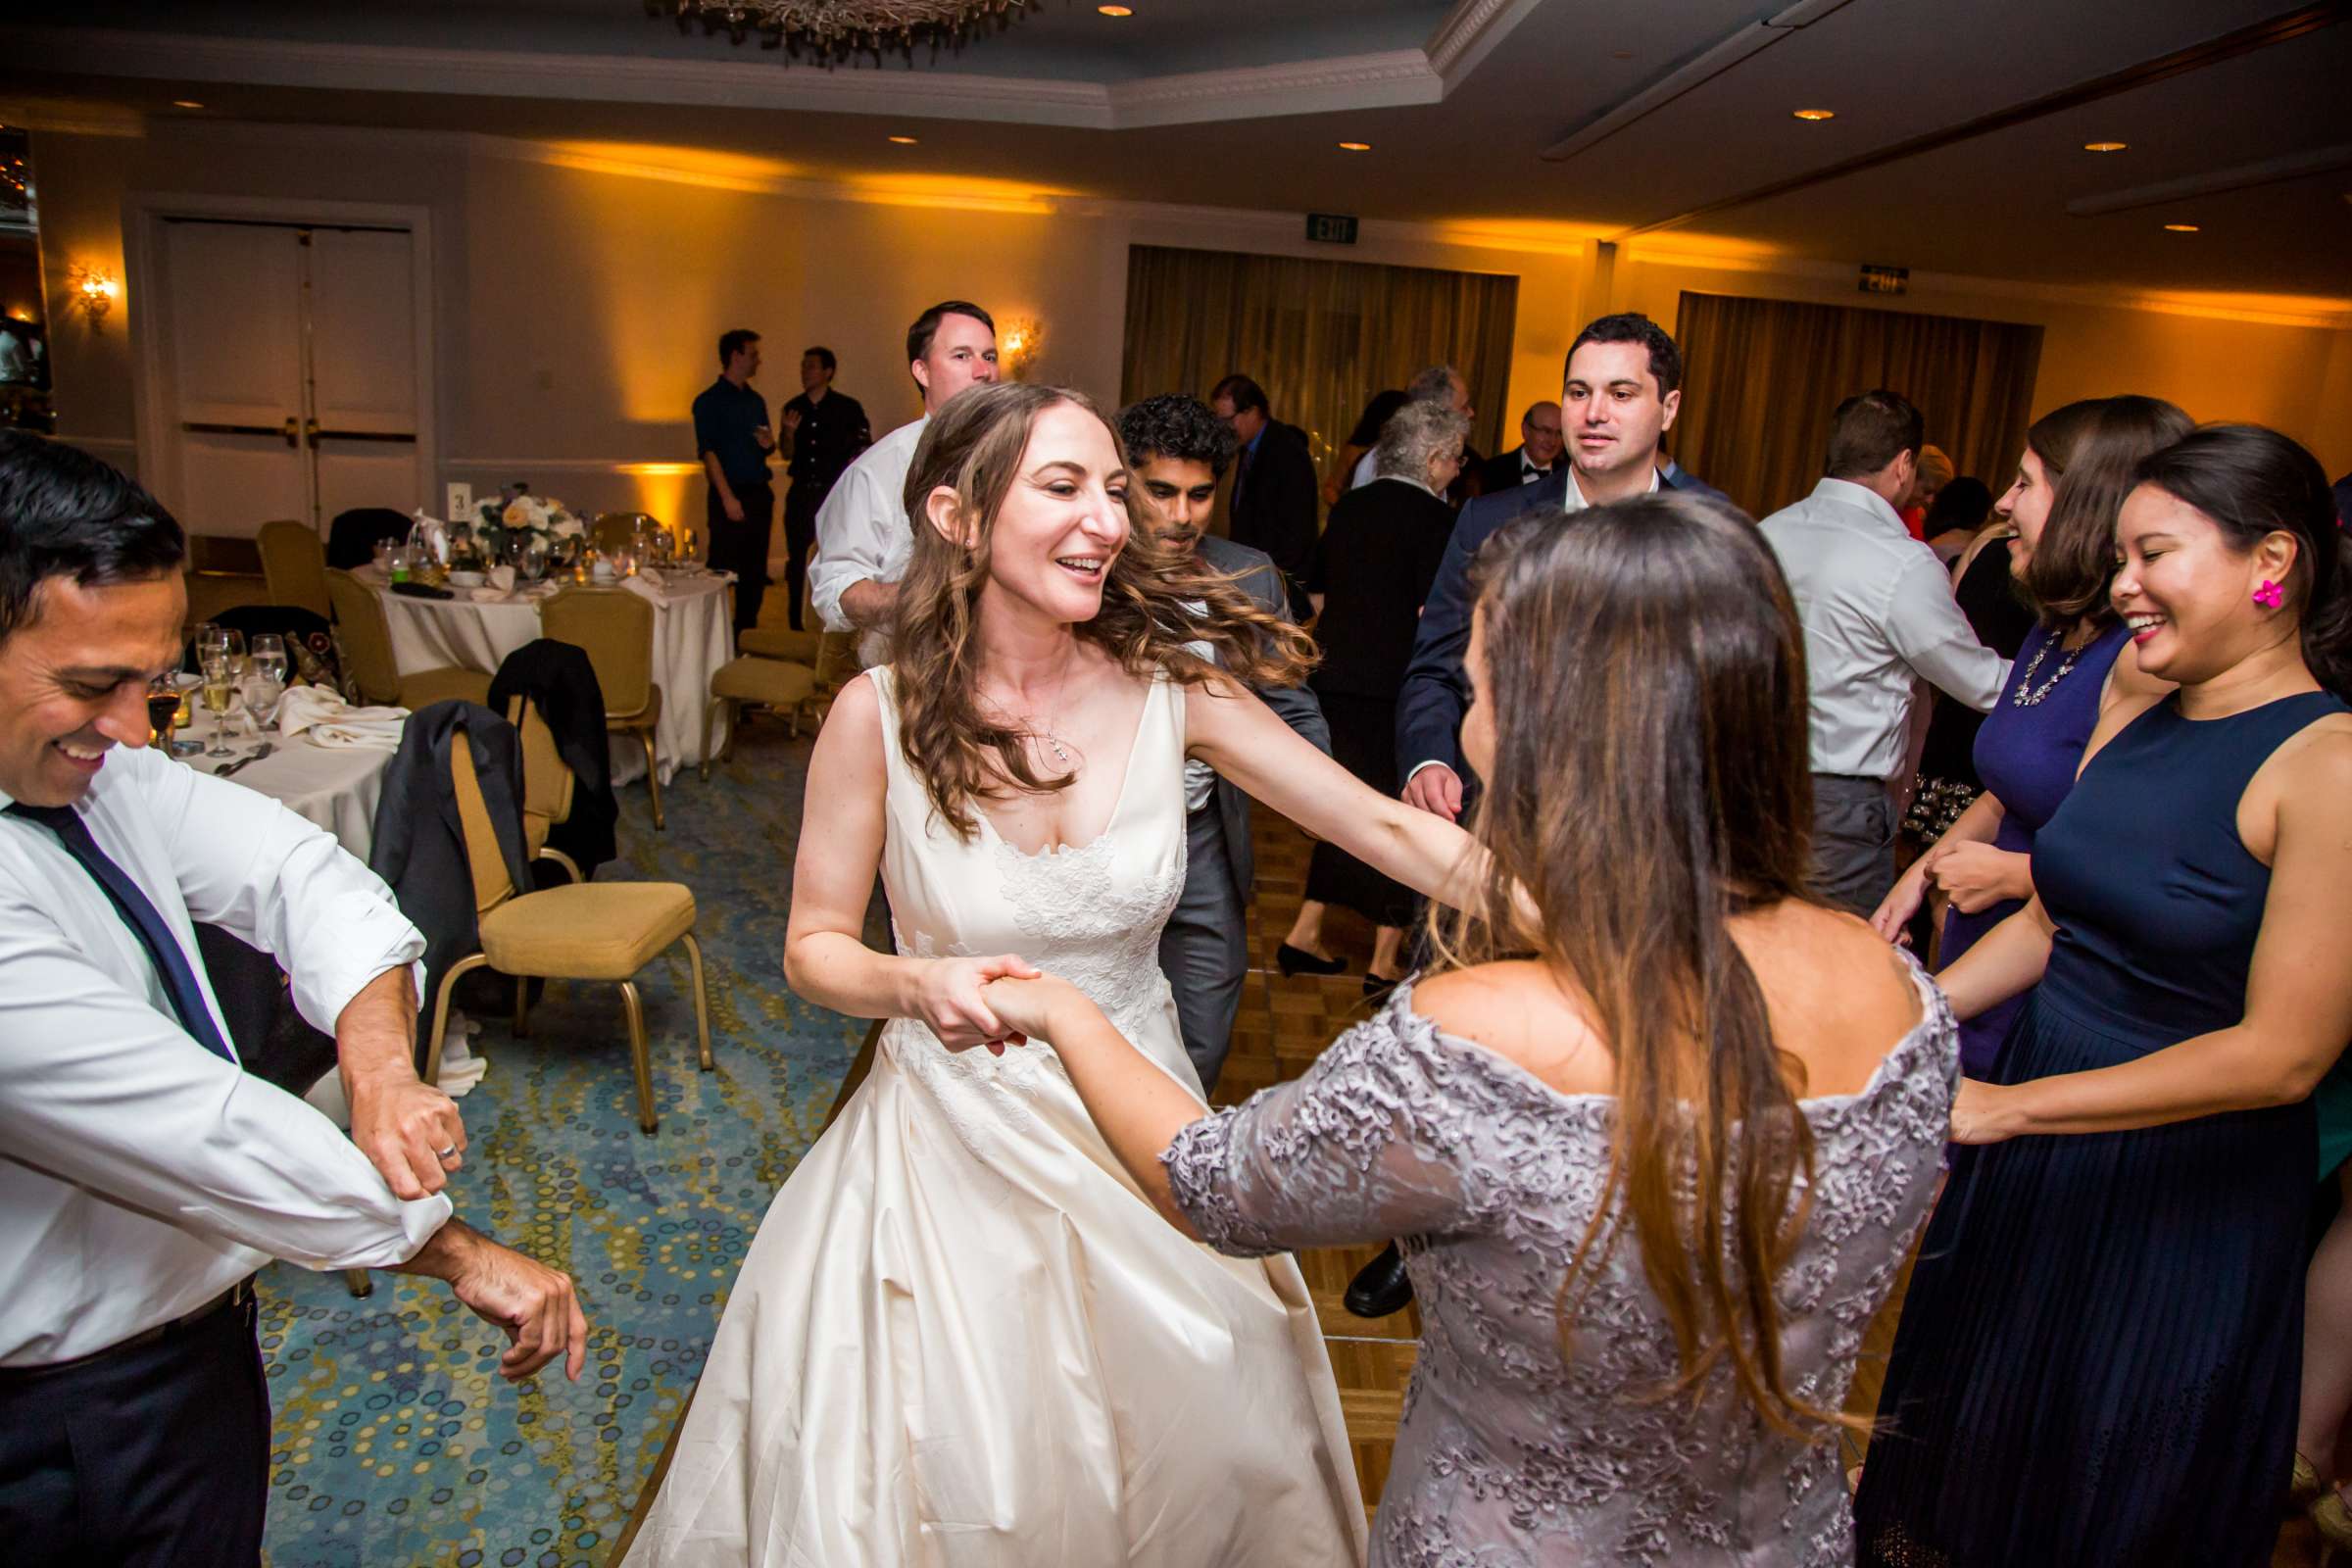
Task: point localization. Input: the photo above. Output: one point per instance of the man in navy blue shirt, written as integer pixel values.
(731, 436)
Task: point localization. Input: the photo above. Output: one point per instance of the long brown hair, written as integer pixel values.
(2090, 453)
(1646, 676)
(1155, 601)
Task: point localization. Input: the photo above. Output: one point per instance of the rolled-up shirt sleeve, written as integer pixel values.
(1355, 1151)
(99, 1089)
(850, 543)
(246, 863)
(1933, 637)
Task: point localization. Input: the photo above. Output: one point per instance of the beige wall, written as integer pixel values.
(2295, 379)
(579, 291)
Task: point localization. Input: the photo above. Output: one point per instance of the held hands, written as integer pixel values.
(950, 999)
(404, 1125)
(1976, 877)
(1038, 1007)
(1438, 789)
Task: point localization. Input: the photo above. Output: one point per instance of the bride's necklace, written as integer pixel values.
(1042, 732)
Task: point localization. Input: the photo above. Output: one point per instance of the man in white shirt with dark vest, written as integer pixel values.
(144, 1175)
(863, 537)
(1879, 616)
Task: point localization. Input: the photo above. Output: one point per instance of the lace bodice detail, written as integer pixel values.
(1091, 913)
(1512, 1454)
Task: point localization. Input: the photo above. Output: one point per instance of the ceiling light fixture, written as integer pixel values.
(1815, 114)
(1116, 11)
(185, 103)
(903, 141)
(2181, 228)
(2104, 146)
(839, 31)
(1356, 146)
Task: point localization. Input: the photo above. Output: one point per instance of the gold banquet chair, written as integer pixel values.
(787, 685)
(366, 639)
(588, 931)
(615, 628)
(294, 565)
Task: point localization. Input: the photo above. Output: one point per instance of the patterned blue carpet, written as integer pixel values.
(396, 1443)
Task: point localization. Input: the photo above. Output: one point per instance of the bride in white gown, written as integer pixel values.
(962, 1337)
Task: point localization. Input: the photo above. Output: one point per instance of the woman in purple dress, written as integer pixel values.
(2075, 666)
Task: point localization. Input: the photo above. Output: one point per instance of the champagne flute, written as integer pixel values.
(238, 659)
(219, 697)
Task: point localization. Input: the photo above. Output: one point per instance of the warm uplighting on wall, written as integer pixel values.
(1018, 345)
(185, 103)
(2104, 146)
(902, 141)
(1116, 11)
(1356, 146)
(1815, 114)
(2181, 228)
(94, 292)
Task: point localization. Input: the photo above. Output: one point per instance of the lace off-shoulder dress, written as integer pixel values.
(1510, 1453)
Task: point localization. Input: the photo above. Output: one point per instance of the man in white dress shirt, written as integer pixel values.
(1879, 616)
(862, 536)
(144, 1175)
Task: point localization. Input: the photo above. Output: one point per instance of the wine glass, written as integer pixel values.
(219, 700)
(209, 636)
(162, 709)
(530, 558)
(269, 656)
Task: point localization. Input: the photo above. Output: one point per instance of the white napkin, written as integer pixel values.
(329, 720)
(646, 585)
(488, 596)
(502, 578)
(653, 576)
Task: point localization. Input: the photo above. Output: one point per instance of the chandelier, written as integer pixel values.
(836, 30)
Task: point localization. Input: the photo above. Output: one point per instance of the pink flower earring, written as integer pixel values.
(2270, 596)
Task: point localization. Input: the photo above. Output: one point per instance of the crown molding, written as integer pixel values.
(1384, 79)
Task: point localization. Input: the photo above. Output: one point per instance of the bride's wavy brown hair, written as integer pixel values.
(1647, 680)
(1155, 600)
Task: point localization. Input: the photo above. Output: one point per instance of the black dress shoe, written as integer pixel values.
(1381, 1286)
(1297, 961)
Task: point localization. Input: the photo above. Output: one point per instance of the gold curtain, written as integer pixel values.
(1321, 337)
(1761, 380)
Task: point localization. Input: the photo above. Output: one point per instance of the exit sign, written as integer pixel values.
(1331, 228)
(1885, 280)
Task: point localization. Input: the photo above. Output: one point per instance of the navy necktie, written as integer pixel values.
(143, 919)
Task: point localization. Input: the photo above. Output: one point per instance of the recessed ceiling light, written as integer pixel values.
(185, 103)
(2181, 228)
(1116, 11)
(1816, 114)
(2104, 146)
(903, 141)
(1356, 146)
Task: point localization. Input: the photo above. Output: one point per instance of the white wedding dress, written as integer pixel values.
(963, 1338)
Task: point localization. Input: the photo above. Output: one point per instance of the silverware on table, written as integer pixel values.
(267, 747)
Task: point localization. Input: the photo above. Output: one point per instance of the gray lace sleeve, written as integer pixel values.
(1364, 1146)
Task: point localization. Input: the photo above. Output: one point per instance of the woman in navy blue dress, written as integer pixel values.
(2098, 1354)
(2078, 464)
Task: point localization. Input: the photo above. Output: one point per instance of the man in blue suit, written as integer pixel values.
(1623, 390)
(1624, 385)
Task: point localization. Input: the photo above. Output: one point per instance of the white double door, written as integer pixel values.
(293, 372)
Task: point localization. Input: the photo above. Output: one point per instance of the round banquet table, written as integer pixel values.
(692, 639)
(336, 787)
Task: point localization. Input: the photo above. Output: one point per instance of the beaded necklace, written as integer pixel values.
(2028, 695)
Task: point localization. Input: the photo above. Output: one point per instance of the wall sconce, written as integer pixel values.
(94, 292)
(1020, 344)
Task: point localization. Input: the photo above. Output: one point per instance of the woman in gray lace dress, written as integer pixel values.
(1645, 1005)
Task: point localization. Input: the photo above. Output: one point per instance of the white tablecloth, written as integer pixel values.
(334, 786)
(691, 641)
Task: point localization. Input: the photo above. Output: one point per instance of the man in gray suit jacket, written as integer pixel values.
(1178, 451)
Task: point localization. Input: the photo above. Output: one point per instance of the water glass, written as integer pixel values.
(269, 656)
(385, 550)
